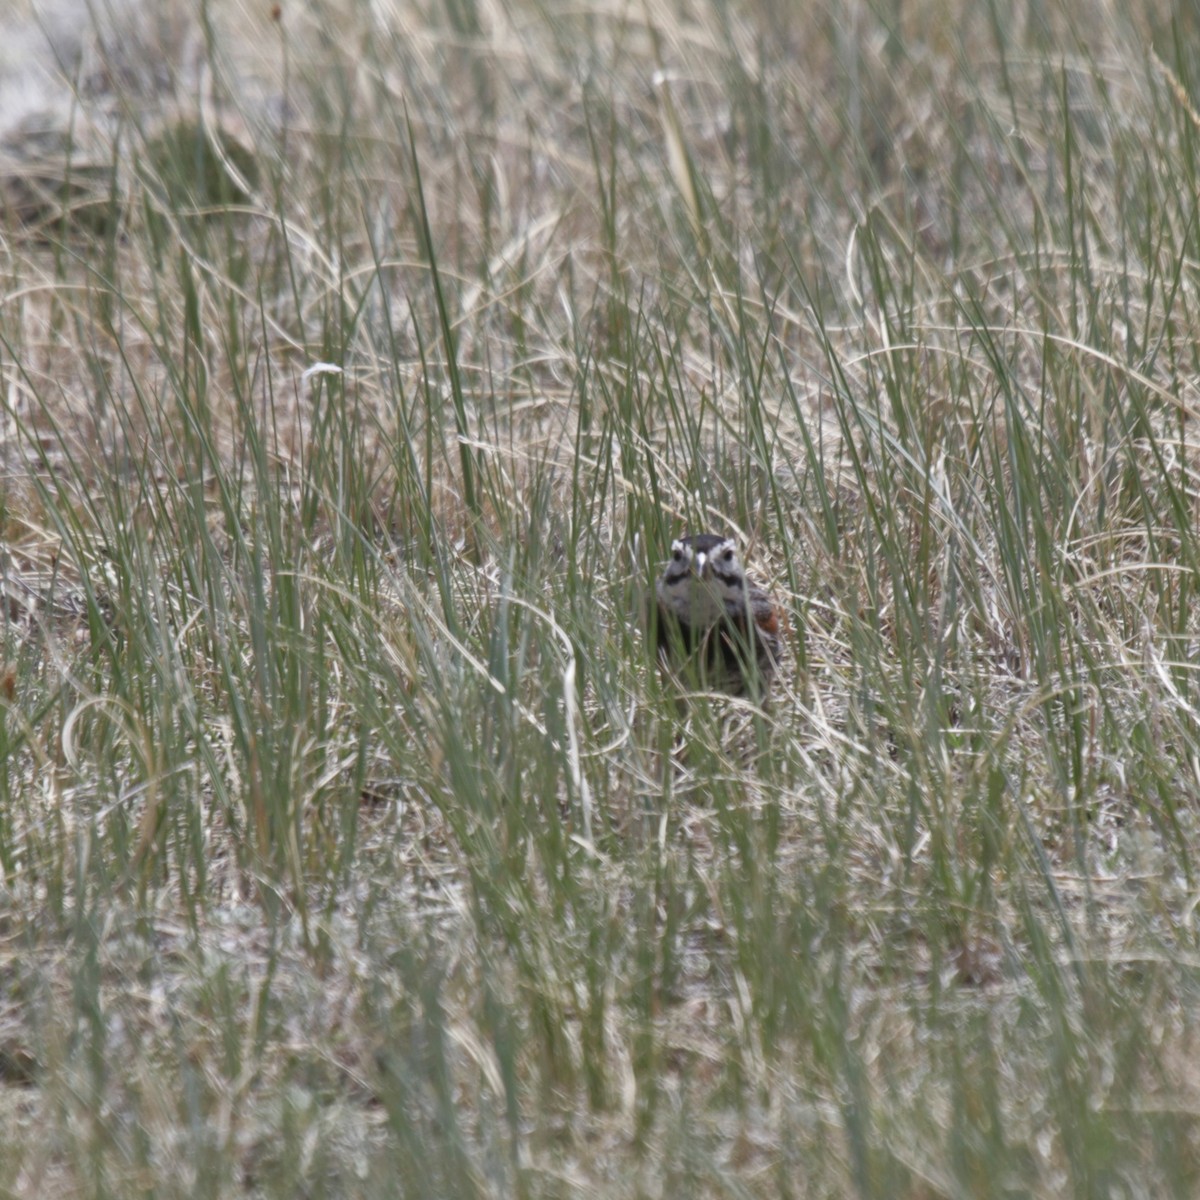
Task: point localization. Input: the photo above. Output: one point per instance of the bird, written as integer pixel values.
(707, 605)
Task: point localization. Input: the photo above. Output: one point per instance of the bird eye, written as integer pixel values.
(727, 554)
(676, 553)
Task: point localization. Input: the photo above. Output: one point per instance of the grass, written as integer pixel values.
(350, 842)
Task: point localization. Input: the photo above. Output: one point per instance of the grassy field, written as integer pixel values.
(359, 362)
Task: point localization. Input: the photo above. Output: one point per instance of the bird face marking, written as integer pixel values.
(704, 581)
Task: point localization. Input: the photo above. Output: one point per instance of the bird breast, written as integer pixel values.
(697, 603)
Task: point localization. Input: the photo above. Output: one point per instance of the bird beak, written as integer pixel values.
(703, 567)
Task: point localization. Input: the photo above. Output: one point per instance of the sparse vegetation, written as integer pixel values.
(350, 843)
